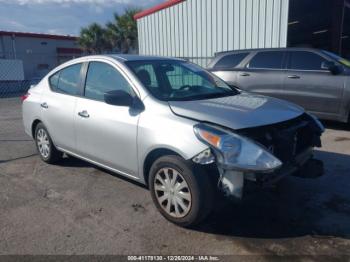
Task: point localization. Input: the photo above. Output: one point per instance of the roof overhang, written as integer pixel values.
(36, 35)
(157, 8)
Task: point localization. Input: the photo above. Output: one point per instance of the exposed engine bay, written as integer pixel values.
(292, 142)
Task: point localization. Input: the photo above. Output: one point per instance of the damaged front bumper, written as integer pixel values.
(232, 182)
(290, 142)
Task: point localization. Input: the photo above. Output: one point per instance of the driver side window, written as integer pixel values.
(101, 78)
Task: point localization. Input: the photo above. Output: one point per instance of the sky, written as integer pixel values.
(61, 16)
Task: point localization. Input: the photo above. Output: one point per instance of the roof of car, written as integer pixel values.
(124, 57)
(268, 49)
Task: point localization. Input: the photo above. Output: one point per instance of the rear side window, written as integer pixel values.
(230, 61)
(267, 60)
(101, 78)
(54, 81)
(303, 60)
(66, 80)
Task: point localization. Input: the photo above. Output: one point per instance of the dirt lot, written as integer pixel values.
(76, 208)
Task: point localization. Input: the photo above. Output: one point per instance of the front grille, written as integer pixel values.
(286, 139)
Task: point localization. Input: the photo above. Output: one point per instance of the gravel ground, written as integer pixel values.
(77, 208)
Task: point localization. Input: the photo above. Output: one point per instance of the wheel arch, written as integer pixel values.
(153, 156)
(33, 127)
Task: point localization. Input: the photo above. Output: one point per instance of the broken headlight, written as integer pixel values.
(236, 152)
(204, 158)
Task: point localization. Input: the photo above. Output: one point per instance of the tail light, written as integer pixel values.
(24, 97)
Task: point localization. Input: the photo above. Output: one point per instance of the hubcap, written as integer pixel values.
(43, 143)
(172, 192)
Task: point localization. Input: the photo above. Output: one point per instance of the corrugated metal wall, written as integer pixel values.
(196, 29)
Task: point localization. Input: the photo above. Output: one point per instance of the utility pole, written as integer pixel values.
(13, 37)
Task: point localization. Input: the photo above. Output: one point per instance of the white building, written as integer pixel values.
(24, 56)
(197, 29)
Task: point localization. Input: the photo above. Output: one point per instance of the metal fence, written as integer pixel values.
(10, 89)
(18, 73)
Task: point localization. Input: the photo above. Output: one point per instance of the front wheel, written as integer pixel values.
(182, 194)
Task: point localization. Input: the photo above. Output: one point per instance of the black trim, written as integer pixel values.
(83, 74)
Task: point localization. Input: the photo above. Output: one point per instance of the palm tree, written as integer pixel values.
(93, 39)
(122, 32)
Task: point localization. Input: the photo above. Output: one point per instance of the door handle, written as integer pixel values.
(44, 105)
(84, 114)
(244, 74)
(294, 77)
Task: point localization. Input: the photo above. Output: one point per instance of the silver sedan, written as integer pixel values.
(170, 125)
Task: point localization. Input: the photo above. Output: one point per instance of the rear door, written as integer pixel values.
(263, 74)
(310, 86)
(58, 105)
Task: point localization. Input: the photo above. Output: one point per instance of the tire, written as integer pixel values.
(190, 204)
(46, 149)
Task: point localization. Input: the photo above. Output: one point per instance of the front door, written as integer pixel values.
(106, 133)
(310, 86)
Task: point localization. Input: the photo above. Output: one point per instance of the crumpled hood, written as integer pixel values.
(244, 110)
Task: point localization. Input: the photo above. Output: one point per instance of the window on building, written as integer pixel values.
(66, 80)
(303, 60)
(102, 78)
(230, 61)
(267, 60)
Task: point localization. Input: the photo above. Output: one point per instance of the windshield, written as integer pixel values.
(339, 59)
(179, 80)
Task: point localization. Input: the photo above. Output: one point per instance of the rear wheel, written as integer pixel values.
(46, 149)
(182, 194)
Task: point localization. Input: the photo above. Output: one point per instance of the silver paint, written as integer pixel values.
(120, 139)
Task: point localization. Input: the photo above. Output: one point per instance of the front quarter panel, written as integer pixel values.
(159, 128)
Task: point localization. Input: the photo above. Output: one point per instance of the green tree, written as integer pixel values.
(122, 31)
(93, 39)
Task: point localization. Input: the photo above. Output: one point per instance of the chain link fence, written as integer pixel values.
(10, 89)
(18, 72)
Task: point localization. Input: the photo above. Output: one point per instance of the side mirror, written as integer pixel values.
(332, 67)
(118, 98)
